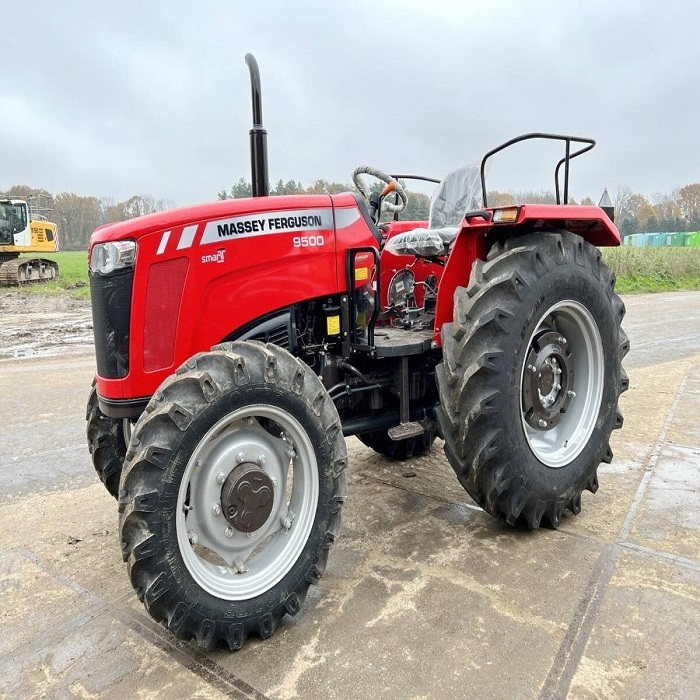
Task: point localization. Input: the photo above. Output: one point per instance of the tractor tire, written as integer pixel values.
(531, 376)
(399, 450)
(107, 444)
(231, 493)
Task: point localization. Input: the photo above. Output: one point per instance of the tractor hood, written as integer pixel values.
(134, 229)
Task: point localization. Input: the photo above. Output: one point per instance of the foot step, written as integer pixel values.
(405, 430)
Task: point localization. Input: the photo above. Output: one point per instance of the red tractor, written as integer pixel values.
(239, 342)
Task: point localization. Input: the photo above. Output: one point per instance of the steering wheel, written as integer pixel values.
(392, 186)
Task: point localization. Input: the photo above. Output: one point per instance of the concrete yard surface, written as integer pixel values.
(424, 596)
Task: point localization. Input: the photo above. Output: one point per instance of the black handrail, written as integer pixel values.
(568, 156)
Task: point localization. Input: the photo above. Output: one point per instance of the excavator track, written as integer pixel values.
(21, 271)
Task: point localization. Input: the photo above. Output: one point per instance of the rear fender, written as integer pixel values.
(476, 237)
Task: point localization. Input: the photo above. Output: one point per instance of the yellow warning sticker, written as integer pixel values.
(333, 325)
(361, 273)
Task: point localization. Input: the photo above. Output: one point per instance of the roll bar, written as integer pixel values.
(568, 156)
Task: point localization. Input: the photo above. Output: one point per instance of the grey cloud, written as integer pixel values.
(114, 99)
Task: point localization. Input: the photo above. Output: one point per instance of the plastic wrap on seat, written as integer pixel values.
(458, 193)
(425, 242)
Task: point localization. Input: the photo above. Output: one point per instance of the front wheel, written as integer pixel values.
(231, 494)
(107, 439)
(531, 377)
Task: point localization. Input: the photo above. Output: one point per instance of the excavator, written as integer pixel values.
(25, 228)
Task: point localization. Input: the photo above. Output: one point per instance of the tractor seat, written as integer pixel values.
(458, 193)
(423, 242)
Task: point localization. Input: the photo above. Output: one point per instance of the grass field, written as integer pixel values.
(637, 270)
(654, 269)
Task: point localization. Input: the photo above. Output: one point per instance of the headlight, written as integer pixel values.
(108, 257)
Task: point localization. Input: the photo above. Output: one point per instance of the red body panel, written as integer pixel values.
(591, 223)
(231, 278)
(390, 264)
(206, 271)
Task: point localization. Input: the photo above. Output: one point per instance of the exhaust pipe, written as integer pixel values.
(258, 135)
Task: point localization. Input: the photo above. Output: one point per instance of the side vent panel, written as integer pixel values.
(277, 330)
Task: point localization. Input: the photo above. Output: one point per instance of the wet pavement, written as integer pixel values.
(424, 596)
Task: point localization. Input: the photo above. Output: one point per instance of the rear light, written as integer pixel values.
(505, 215)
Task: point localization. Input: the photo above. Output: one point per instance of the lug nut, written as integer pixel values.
(239, 566)
(216, 509)
(228, 531)
(532, 368)
(261, 460)
(571, 394)
(274, 480)
(240, 457)
(561, 340)
(220, 478)
(192, 536)
(542, 423)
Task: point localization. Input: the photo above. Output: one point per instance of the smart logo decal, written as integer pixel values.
(217, 257)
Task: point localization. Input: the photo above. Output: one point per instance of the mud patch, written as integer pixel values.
(32, 325)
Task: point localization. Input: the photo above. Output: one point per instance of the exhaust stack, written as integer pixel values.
(258, 135)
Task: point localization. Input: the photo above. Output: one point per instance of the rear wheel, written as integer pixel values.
(531, 377)
(232, 492)
(107, 444)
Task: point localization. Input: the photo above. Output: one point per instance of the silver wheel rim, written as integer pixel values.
(561, 444)
(228, 563)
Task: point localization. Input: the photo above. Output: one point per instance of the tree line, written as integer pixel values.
(678, 211)
(77, 216)
(634, 213)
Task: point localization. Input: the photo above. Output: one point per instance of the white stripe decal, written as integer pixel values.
(187, 237)
(163, 243)
(346, 216)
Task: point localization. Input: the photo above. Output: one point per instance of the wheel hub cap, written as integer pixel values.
(548, 380)
(247, 497)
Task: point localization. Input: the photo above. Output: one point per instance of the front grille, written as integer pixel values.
(111, 313)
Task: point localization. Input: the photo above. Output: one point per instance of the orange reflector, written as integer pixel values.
(505, 215)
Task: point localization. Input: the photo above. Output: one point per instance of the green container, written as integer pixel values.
(656, 240)
(693, 239)
(676, 239)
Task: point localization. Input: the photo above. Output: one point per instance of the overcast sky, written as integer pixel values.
(120, 98)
